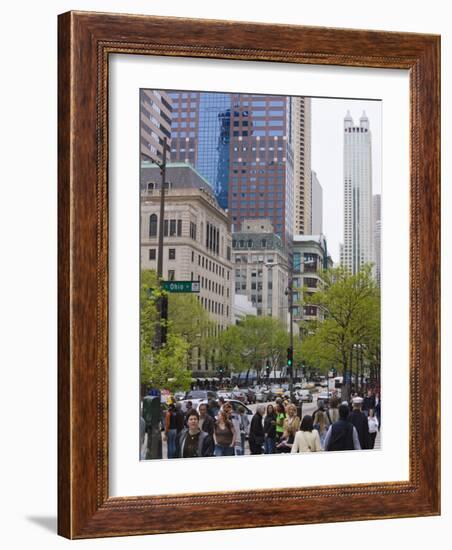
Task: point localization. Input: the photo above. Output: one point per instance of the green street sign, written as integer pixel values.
(181, 286)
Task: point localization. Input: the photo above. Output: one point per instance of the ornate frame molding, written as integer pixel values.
(85, 42)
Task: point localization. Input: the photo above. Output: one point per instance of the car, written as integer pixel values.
(197, 397)
(303, 396)
(261, 396)
(239, 395)
(250, 395)
(324, 396)
(225, 394)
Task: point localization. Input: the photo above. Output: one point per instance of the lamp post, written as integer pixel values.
(289, 294)
(163, 300)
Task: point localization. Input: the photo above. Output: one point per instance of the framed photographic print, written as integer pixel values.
(248, 275)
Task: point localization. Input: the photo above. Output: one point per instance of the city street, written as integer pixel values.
(307, 408)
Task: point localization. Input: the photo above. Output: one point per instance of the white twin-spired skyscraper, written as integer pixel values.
(358, 222)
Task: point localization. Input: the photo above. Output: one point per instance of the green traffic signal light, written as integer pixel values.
(289, 357)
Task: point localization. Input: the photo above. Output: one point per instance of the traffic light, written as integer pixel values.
(289, 357)
(289, 361)
(268, 369)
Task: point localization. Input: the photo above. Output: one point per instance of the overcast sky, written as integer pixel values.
(327, 158)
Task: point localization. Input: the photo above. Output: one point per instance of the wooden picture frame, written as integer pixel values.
(86, 40)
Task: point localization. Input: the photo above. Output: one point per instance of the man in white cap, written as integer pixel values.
(359, 420)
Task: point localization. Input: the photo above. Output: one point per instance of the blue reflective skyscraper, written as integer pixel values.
(253, 149)
(213, 142)
(200, 133)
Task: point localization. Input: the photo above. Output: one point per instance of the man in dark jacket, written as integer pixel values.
(368, 402)
(256, 437)
(342, 435)
(359, 420)
(193, 442)
(206, 422)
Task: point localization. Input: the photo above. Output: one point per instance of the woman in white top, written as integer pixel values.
(307, 439)
(373, 427)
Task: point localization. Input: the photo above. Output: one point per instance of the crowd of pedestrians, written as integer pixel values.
(218, 430)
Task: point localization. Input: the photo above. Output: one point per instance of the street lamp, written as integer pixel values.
(289, 294)
(163, 300)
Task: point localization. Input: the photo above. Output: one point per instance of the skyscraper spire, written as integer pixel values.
(348, 120)
(364, 121)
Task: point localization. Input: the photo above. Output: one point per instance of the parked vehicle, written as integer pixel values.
(303, 396)
(324, 396)
(225, 394)
(261, 396)
(197, 397)
(239, 395)
(250, 395)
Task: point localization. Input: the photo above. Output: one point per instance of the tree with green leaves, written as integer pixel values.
(248, 345)
(350, 305)
(187, 326)
(166, 368)
(188, 319)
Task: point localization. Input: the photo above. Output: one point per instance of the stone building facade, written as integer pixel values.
(261, 268)
(197, 238)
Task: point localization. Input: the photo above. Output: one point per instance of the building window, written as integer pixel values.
(179, 228)
(171, 253)
(171, 275)
(310, 310)
(192, 255)
(193, 230)
(172, 228)
(310, 282)
(153, 225)
(152, 253)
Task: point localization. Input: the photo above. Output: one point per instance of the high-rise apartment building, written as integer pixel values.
(377, 236)
(358, 227)
(155, 124)
(316, 205)
(301, 132)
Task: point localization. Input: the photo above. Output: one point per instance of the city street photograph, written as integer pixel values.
(260, 274)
